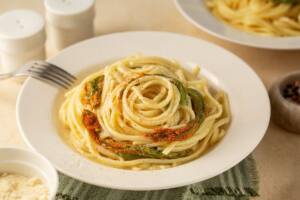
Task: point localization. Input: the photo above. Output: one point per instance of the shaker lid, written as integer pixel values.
(68, 7)
(21, 30)
(69, 13)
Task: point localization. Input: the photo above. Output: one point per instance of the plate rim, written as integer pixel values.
(143, 188)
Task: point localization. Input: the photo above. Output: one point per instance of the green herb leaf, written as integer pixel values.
(286, 1)
(93, 91)
(182, 91)
(197, 103)
(127, 156)
(148, 151)
(198, 107)
(95, 84)
(151, 152)
(180, 87)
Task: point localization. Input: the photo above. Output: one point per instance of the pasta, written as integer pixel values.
(144, 113)
(264, 17)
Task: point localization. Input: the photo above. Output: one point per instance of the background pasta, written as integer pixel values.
(144, 113)
(264, 17)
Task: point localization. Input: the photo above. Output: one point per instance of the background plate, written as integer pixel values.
(198, 14)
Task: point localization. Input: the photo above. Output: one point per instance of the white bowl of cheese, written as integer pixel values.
(26, 175)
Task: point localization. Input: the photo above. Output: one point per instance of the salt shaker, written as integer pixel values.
(22, 38)
(68, 22)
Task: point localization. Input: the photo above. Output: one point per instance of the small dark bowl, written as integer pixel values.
(285, 113)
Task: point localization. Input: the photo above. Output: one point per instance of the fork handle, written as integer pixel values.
(5, 76)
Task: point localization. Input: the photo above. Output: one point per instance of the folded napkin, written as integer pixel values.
(238, 183)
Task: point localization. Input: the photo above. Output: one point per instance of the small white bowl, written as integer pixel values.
(29, 164)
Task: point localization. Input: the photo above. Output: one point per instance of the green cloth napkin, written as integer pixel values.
(238, 183)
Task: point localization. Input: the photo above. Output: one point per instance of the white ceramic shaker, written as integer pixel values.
(22, 38)
(68, 22)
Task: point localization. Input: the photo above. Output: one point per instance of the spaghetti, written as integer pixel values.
(144, 113)
(264, 17)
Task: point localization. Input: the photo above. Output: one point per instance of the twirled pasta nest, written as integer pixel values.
(144, 113)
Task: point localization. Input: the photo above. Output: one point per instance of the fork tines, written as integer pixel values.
(51, 73)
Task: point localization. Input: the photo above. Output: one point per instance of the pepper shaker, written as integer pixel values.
(22, 38)
(284, 96)
(68, 22)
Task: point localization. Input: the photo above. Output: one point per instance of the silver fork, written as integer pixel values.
(44, 71)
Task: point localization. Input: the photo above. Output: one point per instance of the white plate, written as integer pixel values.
(248, 98)
(198, 14)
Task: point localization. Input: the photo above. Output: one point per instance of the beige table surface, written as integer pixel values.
(278, 155)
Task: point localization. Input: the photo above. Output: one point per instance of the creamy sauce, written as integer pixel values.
(19, 187)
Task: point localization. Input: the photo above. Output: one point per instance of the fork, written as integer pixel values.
(44, 71)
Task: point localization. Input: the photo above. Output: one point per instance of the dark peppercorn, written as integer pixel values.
(291, 91)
